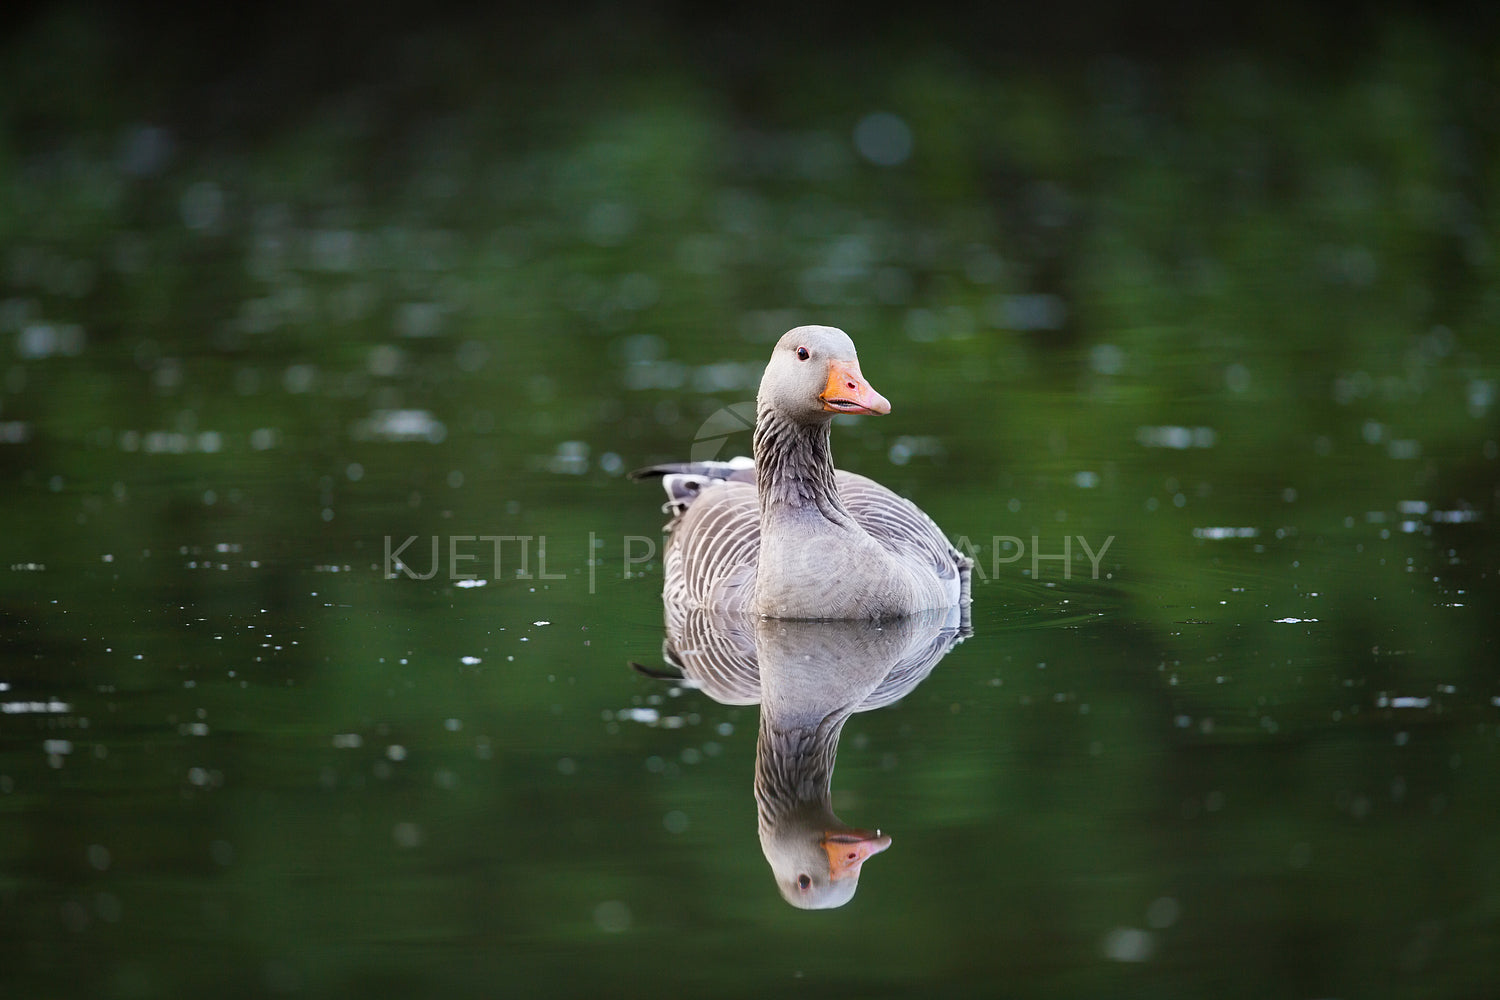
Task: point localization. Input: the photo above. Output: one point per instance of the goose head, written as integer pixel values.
(813, 374)
(816, 860)
(809, 678)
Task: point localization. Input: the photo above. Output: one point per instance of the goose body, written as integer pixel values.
(788, 536)
(809, 678)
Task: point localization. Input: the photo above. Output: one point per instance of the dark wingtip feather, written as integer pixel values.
(656, 673)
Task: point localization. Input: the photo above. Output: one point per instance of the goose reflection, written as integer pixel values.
(808, 677)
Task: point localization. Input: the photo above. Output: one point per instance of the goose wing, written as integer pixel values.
(901, 526)
(714, 652)
(713, 549)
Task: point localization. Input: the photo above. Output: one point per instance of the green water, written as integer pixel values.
(1196, 353)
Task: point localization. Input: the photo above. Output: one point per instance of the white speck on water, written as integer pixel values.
(348, 741)
(609, 223)
(299, 378)
(1162, 912)
(1175, 437)
(49, 707)
(470, 584)
(883, 139)
(202, 206)
(1128, 944)
(396, 752)
(570, 459)
(467, 661)
(539, 624)
(612, 917)
(418, 319)
(1027, 312)
(648, 716)
(1404, 449)
(906, 447)
(145, 151)
(1293, 621)
(1107, 359)
(1481, 396)
(1217, 534)
(1402, 701)
(453, 725)
(401, 425)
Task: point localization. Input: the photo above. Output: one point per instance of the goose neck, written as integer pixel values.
(794, 767)
(794, 467)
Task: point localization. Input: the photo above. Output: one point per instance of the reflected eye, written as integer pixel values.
(804, 882)
(802, 354)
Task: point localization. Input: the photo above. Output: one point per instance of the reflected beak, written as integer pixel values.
(848, 849)
(848, 392)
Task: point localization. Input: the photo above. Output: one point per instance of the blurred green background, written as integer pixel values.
(283, 288)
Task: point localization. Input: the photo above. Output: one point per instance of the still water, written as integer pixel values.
(331, 637)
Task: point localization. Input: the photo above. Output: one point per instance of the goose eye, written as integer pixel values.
(802, 354)
(804, 882)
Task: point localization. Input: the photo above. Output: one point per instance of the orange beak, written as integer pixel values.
(848, 850)
(848, 392)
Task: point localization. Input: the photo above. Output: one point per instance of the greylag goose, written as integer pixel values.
(809, 678)
(789, 536)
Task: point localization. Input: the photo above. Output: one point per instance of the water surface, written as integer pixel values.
(1196, 356)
